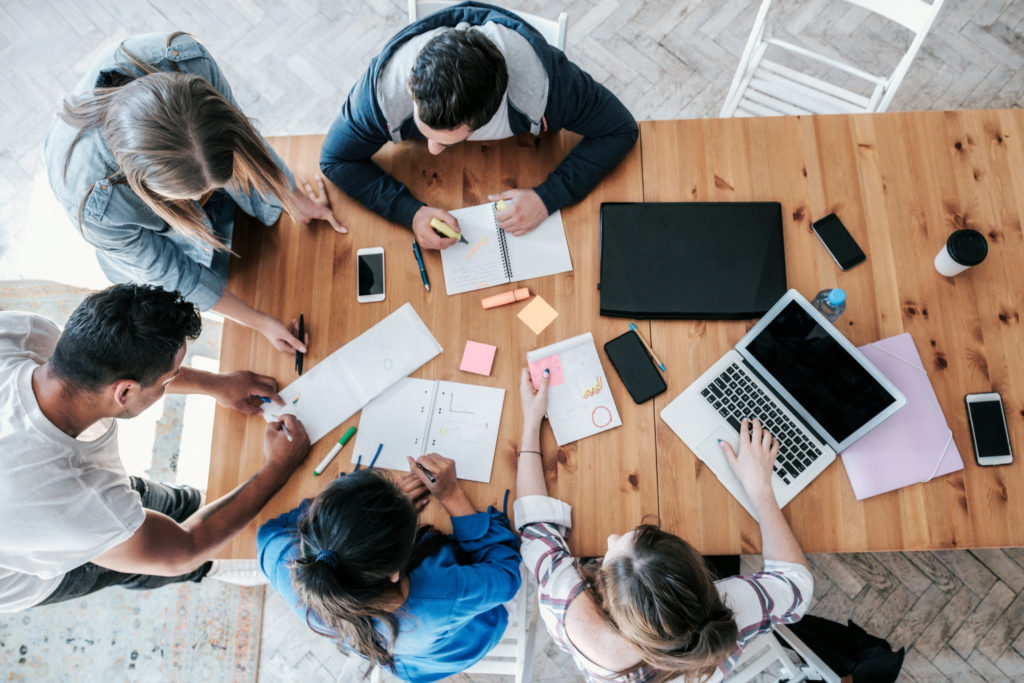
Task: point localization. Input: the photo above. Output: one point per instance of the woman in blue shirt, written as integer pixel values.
(354, 564)
(150, 158)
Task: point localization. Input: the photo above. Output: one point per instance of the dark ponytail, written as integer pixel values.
(663, 600)
(355, 535)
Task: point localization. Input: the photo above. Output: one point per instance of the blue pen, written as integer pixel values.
(375, 456)
(419, 260)
(647, 346)
(359, 463)
(264, 399)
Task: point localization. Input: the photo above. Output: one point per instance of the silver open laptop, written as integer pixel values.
(809, 385)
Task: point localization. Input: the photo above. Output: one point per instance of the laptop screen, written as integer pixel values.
(810, 364)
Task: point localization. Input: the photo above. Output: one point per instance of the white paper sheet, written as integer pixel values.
(581, 404)
(463, 425)
(479, 264)
(341, 384)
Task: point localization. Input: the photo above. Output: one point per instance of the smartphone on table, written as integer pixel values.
(635, 367)
(989, 434)
(370, 275)
(838, 241)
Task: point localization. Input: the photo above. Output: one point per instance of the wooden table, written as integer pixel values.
(610, 478)
(901, 183)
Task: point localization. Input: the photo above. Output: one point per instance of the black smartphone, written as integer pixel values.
(636, 369)
(989, 435)
(840, 243)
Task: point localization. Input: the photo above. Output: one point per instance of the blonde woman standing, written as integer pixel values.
(150, 157)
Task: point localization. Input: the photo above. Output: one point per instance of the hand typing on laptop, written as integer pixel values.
(753, 465)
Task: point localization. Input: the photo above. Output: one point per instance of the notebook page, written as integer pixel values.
(338, 386)
(397, 418)
(542, 251)
(478, 264)
(581, 404)
(462, 425)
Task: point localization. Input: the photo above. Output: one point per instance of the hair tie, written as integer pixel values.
(328, 557)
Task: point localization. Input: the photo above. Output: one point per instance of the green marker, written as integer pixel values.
(334, 451)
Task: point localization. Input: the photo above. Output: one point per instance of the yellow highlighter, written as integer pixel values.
(446, 230)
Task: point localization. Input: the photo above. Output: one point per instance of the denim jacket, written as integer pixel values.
(132, 242)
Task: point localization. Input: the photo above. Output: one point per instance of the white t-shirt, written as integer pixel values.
(63, 501)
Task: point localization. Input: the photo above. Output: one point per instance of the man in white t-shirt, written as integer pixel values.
(71, 520)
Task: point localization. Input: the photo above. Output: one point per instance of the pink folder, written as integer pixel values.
(915, 444)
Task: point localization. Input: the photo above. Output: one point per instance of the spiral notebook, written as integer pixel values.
(492, 258)
(419, 416)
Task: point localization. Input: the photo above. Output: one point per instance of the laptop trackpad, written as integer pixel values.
(711, 453)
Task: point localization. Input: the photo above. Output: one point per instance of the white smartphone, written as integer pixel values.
(989, 434)
(370, 275)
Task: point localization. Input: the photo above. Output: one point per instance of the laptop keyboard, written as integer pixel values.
(735, 396)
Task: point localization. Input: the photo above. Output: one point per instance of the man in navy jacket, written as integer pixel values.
(473, 72)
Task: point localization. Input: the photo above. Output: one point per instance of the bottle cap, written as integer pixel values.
(836, 297)
(967, 247)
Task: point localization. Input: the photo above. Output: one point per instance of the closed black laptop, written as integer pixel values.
(702, 260)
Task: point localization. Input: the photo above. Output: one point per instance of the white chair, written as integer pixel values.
(764, 87)
(553, 30)
(513, 655)
(766, 655)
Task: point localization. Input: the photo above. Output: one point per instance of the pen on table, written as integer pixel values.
(375, 456)
(419, 261)
(333, 452)
(446, 230)
(430, 475)
(302, 336)
(359, 463)
(647, 346)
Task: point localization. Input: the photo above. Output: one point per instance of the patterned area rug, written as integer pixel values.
(189, 632)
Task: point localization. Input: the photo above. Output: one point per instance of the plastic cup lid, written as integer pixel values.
(967, 247)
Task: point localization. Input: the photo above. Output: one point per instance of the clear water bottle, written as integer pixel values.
(831, 303)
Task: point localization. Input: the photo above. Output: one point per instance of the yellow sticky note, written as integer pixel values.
(538, 314)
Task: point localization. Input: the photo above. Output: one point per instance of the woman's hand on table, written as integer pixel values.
(535, 403)
(413, 488)
(315, 206)
(284, 339)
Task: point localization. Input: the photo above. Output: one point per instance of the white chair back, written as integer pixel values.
(765, 657)
(764, 87)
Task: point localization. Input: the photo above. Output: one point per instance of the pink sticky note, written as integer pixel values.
(478, 358)
(552, 363)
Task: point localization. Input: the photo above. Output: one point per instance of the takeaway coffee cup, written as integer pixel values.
(964, 248)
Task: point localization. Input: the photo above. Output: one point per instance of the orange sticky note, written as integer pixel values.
(478, 358)
(537, 314)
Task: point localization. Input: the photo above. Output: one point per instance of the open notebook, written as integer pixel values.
(580, 401)
(493, 258)
(339, 385)
(420, 416)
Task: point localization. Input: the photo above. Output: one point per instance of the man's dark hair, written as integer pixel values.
(128, 331)
(459, 78)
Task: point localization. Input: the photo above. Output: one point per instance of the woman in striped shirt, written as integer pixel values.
(649, 610)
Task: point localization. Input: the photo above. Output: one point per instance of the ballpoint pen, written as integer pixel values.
(419, 261)
(430, 475)
(647, 346)
(302, 335)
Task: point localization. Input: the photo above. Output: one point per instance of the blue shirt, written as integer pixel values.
(453, 615)
(133, 244)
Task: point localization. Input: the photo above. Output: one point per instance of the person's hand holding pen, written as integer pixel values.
(285, 444)
(437, 474)
(413, 488)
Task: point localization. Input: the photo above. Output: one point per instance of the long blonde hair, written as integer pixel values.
(174, 135)
(661, 598)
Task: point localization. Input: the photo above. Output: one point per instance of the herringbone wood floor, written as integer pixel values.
(291, 63)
